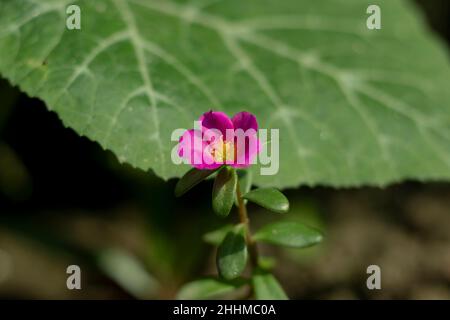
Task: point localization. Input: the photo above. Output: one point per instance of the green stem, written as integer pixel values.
(243, 218)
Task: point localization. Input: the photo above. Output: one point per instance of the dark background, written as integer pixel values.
(64, 200)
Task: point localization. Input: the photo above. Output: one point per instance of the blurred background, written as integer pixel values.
(64, 201)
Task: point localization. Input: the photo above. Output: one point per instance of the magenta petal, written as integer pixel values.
(245, 120)
(190, 143)
(216, 120)
(205, 166)
(194, 150)
(246, 155)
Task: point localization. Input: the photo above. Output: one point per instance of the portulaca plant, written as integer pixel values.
(227, 147)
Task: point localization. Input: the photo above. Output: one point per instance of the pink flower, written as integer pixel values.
(219, 140)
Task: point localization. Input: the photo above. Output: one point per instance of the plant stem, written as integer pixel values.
(243, 218)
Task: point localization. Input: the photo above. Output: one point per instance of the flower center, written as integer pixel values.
(223, 151)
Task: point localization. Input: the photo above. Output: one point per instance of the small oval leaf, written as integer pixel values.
(266, 287)
(190, 180)
(232, 254)
(223, 191)
(208, 288)
(269, 198)
(289, 234)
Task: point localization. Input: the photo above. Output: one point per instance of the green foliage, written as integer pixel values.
(354, 106)
(266, 287)
(269, 198)
(289, 234)
(223, 192)
(208, 288)
(232, 254)
(236, 243)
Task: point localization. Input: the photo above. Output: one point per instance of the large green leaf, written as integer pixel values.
(354, 106)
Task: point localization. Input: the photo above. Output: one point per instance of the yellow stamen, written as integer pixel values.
(223, 151)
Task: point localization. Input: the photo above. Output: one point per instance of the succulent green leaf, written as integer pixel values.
(232, 254)
(223, 192)
(289, 234)
(269, 198)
